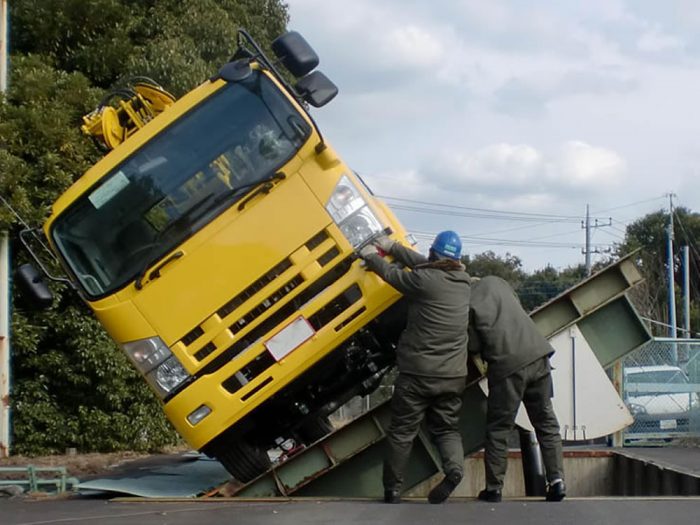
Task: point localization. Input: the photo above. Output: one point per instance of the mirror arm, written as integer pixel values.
(34, 256)
(244, 35)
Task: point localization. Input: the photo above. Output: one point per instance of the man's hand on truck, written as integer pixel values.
(384, 244)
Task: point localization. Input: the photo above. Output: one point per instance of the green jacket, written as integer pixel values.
(434, 342)
(501, 331)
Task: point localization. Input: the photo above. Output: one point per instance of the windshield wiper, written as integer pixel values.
(263, 186)
(151, 258)
(239, 189)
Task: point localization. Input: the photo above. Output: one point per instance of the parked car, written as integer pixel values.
(661, 399)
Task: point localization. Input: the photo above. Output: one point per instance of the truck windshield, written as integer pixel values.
(178, 182)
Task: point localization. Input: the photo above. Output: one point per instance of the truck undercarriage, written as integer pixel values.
(300, 410)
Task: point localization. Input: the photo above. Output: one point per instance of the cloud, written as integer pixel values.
(655, 41)
(530, 97)
(411, 46)
(522, 170)
(521, 99)
(471, 103)
(579, 165)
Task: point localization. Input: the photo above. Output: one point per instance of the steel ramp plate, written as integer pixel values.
(185, 476)
(348, 463)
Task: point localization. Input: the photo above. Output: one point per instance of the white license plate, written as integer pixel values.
(289, 338)
(668, 424)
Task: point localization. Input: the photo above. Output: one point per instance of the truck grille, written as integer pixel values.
(279, 316)
(264, 360)
(192, 335)
(266, 304)
(254, 288)
(320, 249)
(208, 349)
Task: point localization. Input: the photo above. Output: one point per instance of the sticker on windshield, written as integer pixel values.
(108, 190)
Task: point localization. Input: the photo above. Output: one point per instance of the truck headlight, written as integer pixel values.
(167, 376)
(153, 358)
(351, 213)
(146, 354)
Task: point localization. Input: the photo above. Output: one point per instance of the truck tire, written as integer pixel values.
(243, 460)
(315, 429)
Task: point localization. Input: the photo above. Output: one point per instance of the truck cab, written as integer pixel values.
(216, 243)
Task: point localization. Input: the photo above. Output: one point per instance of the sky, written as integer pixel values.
(504, 119)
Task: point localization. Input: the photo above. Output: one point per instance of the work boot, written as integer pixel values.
(492, 496)
(392, 496)
(442, 490)
(556, 491)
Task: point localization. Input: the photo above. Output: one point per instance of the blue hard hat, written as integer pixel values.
(447, 244)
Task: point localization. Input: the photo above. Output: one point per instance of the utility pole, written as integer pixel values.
(4, 345)
(587, 226)
(686, 291)
(3, 45)
(588, 240)
(4, 276)
(671, 276)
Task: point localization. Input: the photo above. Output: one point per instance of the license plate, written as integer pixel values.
(668, 424)
(289, 338)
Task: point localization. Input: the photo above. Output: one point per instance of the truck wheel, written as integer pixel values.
(244, 460)
(315, 429)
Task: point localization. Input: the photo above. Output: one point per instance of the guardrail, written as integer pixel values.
(61, 483)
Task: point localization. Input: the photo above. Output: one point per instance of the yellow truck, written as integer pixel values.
(216, 243)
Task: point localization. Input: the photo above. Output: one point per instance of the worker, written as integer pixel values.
(517, 356)
(431, 356)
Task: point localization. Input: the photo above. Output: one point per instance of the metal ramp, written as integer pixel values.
(348, 462)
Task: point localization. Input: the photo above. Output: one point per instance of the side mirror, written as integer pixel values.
(34, 285)
(316, 89)
(295, 53)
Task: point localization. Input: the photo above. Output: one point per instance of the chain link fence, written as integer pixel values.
(661, 388)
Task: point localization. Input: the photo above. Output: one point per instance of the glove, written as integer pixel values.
(366, 251)
(384, 243)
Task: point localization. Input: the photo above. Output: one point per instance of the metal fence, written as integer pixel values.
(661, 387)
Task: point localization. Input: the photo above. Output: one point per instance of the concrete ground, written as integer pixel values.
(675, 458)
(604, 511)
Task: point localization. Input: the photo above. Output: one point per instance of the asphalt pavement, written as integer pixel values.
(589, 511)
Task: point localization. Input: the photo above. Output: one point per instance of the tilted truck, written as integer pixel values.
(216, 243)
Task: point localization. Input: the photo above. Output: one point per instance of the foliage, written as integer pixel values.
(177, 43)
(541, 286)
(533, 289)
(649, 236)
(72, 387)
(488, 263)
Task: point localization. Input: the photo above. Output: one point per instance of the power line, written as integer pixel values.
(497, 215)
(517, 228)
(489, 212)
(632, 204)
(503, 242)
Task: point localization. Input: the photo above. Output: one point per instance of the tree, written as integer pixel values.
(533, 289)
(71, 385)
(648, 235)
(545, 284)
(508, 267)
(177, 43)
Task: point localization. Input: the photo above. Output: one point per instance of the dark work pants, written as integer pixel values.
(438, 400)
(533, 386)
